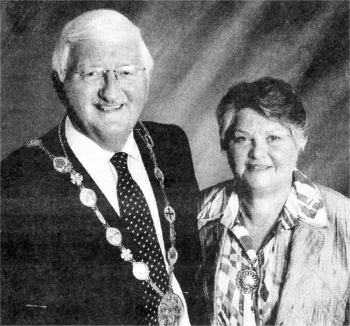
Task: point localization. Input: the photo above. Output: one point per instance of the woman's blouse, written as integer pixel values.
(259, 307)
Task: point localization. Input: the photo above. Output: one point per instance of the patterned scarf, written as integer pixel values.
(305, 203)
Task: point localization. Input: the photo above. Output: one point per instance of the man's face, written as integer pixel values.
(106, 100)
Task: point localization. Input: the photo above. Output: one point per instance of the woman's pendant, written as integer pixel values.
(247, 281)
(170, 310)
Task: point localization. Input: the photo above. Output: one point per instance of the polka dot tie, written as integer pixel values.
(136, 216)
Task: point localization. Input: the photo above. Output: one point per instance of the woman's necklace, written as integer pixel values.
(170, 310)
(247, 279)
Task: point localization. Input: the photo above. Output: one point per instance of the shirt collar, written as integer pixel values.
(231, 211)
(90, 154)
(304, 203)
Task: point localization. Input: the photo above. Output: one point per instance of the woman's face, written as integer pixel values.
(262, 153)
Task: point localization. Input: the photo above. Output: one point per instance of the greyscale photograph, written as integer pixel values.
(175, 163)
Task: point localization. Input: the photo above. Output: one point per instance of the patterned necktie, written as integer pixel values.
(136, 216)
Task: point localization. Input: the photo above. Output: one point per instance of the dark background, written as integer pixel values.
(200, 48)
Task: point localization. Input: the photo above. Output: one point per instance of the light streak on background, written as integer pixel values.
(200, 49)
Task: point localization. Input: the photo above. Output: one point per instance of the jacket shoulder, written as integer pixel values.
(338, 213)
(24, 162)
(337, 205)
(171, 146)
(328, 193)
(156, 126)
(17, 165)
(168, 130)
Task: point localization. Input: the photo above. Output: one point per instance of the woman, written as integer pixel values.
(275, 247)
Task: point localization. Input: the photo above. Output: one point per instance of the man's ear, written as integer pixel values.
(59, 87)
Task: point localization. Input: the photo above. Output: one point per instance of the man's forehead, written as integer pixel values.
(111, 36)
(110, 41)
(124, 50)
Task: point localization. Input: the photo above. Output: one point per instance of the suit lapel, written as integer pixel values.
(306, 246)
(157, 191)
(103, 204)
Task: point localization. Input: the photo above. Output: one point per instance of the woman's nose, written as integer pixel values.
(111, 91)
(259, 149)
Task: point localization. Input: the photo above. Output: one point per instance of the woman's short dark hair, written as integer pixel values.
(273, 98)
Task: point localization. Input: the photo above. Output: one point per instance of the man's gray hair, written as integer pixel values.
(96, 24)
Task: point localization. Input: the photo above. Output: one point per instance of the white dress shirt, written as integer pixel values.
(96, 161)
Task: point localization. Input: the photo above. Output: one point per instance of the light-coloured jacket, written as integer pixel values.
(316, 288)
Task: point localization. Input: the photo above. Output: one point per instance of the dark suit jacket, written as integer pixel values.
(57, 267)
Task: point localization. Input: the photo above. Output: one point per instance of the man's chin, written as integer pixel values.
(112, 138)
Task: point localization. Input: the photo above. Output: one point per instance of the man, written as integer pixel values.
(91, 209)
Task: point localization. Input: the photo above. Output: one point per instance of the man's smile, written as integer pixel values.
(108, 108)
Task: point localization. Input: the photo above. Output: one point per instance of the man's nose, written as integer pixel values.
(111, 90)
(259, 149)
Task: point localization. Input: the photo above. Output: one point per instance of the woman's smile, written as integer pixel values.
(258, 167)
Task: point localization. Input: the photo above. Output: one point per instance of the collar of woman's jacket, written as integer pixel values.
(303, 203)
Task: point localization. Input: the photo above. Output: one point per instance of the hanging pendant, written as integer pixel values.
(140, 271)
(247, 281)
(170, 310)
(126, 254)
(169, 214)
(88, 197)
(76, 178)
(114, 237)
(100, 216)
(62, 164)
(172, 235)
(159, 174)
(34, 142)
(149, 140)
(172, 255)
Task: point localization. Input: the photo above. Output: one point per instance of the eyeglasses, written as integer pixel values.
(125, 75)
